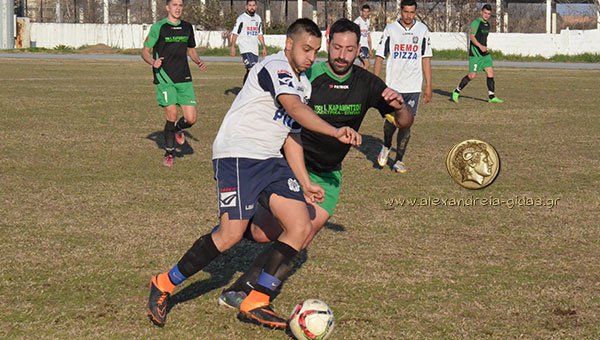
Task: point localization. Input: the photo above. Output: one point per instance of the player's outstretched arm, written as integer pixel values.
(428, 93)
(294, 154)
(303, 114)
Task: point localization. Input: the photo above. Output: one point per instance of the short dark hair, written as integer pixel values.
(168, 1)
(248, 1)
(487, 6)
(405, 3)
(303, 25)
(344, 25)
(365, 6)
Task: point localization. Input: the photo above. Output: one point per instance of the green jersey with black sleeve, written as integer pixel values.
(340, 102)
(480, 29)
(171, 41)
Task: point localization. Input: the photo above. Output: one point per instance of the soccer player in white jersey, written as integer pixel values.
(247, 32)
(267, 115)
(364, 23)
(407, 46)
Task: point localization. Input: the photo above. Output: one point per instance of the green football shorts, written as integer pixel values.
(331, 183)
(480, 63)
(176, 94)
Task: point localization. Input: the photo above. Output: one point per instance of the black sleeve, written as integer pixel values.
(192, 39)
(239, 30)
(375, 99)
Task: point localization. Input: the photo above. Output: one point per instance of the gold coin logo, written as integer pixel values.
(473, 164)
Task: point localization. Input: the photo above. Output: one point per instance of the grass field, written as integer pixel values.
(88, 214)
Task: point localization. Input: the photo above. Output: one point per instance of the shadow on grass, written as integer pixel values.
(223, 269)
(180, 150)
(371, 146)
(449, 95)
(234, 90)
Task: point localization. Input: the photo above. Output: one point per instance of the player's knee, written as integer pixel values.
(191, 120)
(472, 75)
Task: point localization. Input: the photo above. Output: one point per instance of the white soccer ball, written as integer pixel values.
(311, 319)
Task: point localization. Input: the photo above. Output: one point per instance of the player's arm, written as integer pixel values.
(195, 59)
(146, 55)
(261, 39)
(476, 43)
(426, 62)
(383, 49)
(233, 40)
(303, 114)
(403, 117)
(370, 45)
(377, 67)
(294, 154)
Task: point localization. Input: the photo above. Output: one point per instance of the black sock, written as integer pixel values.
(247, 281)
(182, 124)
(388, 133)
(198, 256)
(279, 263)
(246, 75)
(463, 83)
(402, 141)
(169, 137)
(491, 85)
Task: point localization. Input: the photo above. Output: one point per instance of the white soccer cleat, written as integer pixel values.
(400, 167)
(383, 156)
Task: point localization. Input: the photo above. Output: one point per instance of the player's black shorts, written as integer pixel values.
(250, 59)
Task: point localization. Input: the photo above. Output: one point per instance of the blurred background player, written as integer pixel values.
(248, 32)
(268, 113)
(171, 41)
(342, 93)
(407, 46)
(364, 23)
(479, 56)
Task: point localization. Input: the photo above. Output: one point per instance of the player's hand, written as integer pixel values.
(201, 64)
(313, 192)
(484, 49)
(347, 135)
(370, 54)
(232, 51)
(264, 51)
(393, 98)
(427, 94)
(158, 62)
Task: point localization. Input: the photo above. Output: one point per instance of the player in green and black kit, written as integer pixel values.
(479, 56)
(341, 95)
(172, 40)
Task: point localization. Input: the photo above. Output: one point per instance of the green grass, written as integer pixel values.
(457, 54)
(88, 214)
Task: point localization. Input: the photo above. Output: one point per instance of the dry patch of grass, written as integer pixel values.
(87, 214)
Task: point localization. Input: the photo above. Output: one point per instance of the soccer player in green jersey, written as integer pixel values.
(479, 56)
(342, 94)
(166, 48)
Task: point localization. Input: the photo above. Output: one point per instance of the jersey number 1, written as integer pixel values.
(166, 98)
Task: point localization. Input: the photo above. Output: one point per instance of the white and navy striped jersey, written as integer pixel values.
(248, 27)
(405, 47)
(257, 125)
(365, 29)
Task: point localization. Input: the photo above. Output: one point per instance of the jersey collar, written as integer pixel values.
(409, 28)
(335, 76)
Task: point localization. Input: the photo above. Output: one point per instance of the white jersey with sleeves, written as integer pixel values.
(248, 27)
(404, 48)
(365, 28)
(257, 125)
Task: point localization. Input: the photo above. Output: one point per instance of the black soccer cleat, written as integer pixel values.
(157, 303)
(266, 316)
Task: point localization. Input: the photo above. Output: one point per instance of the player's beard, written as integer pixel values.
(340, 70)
